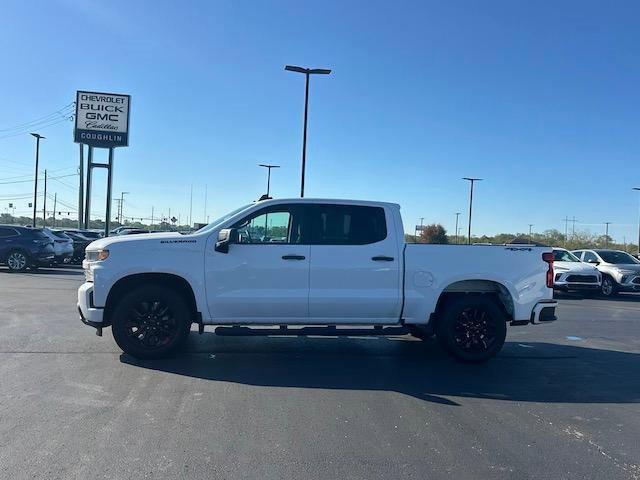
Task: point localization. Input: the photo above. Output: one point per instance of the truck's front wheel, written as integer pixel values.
(472, 328)
(151, 322)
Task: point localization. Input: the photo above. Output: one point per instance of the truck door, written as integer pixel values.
(355, 270)
(264, 278)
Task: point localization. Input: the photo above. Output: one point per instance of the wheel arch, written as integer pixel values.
(170, 280)
(497, 290)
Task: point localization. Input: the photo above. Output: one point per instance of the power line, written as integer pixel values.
(40, 127)
(29, 181)
(58, 112)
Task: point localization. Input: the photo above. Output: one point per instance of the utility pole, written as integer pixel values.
(307, 72)
(205, 202)
(573, 227)
(35, 186)
(44, 208)
(118, 208)
(457, 239)
(191, 206)
(55, 201)
(121, 205)
(152, 218)
(471, 182)
(638, 189)
(606, 233)
(530, 226)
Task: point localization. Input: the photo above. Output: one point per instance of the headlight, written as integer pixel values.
(96, 255)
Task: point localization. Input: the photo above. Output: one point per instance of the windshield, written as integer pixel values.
(564, 256)
(613, 256)
(222, 219)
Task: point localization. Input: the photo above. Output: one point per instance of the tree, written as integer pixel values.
(434, 233)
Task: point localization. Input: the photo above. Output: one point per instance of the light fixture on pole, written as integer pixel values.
(35, 186)
(307, 72)
(471, 181)
(268, 167)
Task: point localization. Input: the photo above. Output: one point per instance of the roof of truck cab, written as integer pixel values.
(336, 201)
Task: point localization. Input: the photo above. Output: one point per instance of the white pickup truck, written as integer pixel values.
(329, 265)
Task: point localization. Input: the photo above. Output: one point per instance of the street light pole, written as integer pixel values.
(530, 226)
(307, 72)
(457, 239)
(606, 233)
(638, 189)
(471, 181)
(268, 167)
(35, 186)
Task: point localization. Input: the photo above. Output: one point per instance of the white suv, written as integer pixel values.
(620, 271)
(573, 275)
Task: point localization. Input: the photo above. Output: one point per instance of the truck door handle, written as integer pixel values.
(382, 258)
(293, 257)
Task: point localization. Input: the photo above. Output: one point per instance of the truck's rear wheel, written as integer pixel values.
(472, 328)
(151, 322)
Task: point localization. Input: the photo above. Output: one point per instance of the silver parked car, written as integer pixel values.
(620, 271)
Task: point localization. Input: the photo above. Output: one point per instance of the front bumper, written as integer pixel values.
(89, 314)
(631, 283)
(44, 259)
(63, 257)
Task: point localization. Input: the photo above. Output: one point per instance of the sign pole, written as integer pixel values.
(109, 182)
(87, 208)
(81, 187)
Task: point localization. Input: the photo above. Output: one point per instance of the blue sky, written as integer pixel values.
(542, 99)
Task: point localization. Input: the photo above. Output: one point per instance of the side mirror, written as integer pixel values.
(591, 260)
(226, 237)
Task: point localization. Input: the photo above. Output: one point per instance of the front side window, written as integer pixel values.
(276, 225)
(589, 257)
(347, 225)
(617, 258)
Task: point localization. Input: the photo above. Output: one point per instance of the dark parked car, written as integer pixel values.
(22, 248)
(80, 242)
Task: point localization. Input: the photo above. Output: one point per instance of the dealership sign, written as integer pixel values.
(102, 119)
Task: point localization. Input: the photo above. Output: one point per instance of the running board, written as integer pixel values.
(331, 331)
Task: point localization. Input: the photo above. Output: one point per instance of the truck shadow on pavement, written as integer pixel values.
(531, 372)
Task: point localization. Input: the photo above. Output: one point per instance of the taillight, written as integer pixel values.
(548, 257)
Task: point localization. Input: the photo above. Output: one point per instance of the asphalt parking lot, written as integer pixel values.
(561, 400)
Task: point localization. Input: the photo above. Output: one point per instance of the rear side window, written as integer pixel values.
(347, 225)
(36, 233)
(7, 232)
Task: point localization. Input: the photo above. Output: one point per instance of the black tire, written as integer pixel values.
(151, 322)
(608, 288)
(17, 261)
(472, 328)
